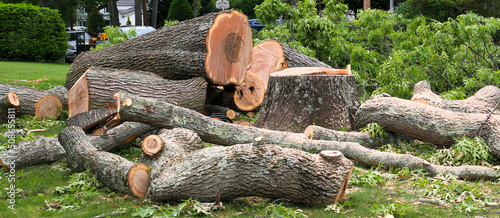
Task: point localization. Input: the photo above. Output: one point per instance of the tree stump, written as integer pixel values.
(34, 102)
(216, 46)
(95, 89)
(299, 97)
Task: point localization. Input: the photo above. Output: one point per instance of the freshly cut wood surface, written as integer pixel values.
(99, 86)
(250, 94)
(62, 93)
(33, 102)
(483, 101)
(112, 170)
(152, 144)
(303, 71)
(216, 46)
(211, 109)
(8, 103)
(298, 97)
(267, 58)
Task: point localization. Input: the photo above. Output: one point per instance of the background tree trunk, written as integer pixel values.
(154, 14)
(192, 48)
(145, 13)
(113, 9)
(138, 14)
(295, 100)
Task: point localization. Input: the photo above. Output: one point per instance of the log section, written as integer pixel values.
(112, 170)
(97, 86)
(216, 46)
(484, 101)
(8, 103)
(62, 93)
(299, 97)
(34, 102)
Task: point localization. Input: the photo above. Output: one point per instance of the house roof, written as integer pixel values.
(125, 3)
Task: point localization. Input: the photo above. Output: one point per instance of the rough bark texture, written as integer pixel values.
(48, 150)
(213, 131)
(90, 119)
(8, 104)
(34, 102)
(363, 138)
(484, 101)
(246, 170)
(62, 93)
(112, 170)
(211, 109)
(294, 58)
(102, 84)
(427, 123)
(181, 51)
(295, 102)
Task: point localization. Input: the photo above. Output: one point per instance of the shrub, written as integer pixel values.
(180, 10)
(31, 33)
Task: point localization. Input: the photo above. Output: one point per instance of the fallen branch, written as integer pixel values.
(210, 130)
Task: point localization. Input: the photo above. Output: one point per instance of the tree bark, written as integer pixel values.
(429, 124)
(216, 46)
(96, 88)
(112, 170)
(299, 97)
(48, 150)
(213, 131)
(362, 138)
(90, 120)
(8, 103)
(138, 15)
(294, 58)
(246, 170)
(484, 101)
(34, 102)
(62, 93)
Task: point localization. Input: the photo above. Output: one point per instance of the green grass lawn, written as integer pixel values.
(52, 191)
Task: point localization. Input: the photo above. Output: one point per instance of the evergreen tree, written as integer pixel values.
(95, 21)
(180, 10)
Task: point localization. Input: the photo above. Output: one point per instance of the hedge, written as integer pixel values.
(180, 10)
(31, 33)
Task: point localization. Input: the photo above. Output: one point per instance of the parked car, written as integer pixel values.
(139, 30)
(255, 24)
(78, 42)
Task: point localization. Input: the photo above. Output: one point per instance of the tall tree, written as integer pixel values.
(154, 14)
(145, 13)
(113, 13)
(138, 12)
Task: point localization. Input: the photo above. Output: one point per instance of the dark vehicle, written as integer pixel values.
(255, 24)
(78, 41)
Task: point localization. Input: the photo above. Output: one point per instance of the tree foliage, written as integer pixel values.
(180, 10)
(443, 9)
(95, 21)
(31, 33)
(388, 52)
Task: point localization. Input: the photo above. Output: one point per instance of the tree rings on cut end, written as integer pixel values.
(309, 132)
(229, 48)
(267, 58)
(300, 71)
(138, 180)
(419, 100)
(152, 145)
(250, 94)
(48, 106)
(13, 99)
(331, 156)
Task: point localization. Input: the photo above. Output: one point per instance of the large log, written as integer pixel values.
(48, 150)
(95, 89)
(62, 93)
(112, 170)
(267, 58)
(216, 46)
(484, 101)
(91, 120)
(428, 123)
(8, 104)
(294, 58)
(34, 102)
(211, 109)
(246, 170)
(213, 131)
(299, 97)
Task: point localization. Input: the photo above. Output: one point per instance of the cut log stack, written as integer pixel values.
(33, 102)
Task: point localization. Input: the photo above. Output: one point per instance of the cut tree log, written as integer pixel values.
(213, 131)
(428, 123)
(8, 104)
(95, 89)
(363, 138)
(34, 102)
(48, 150)
(62, 93)
(216, 46)
(246, 170)
(267, 58)
(484, 101)
(211, 109)
(294, 58)
(298, 97)
(250, 94)
(112, 170)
